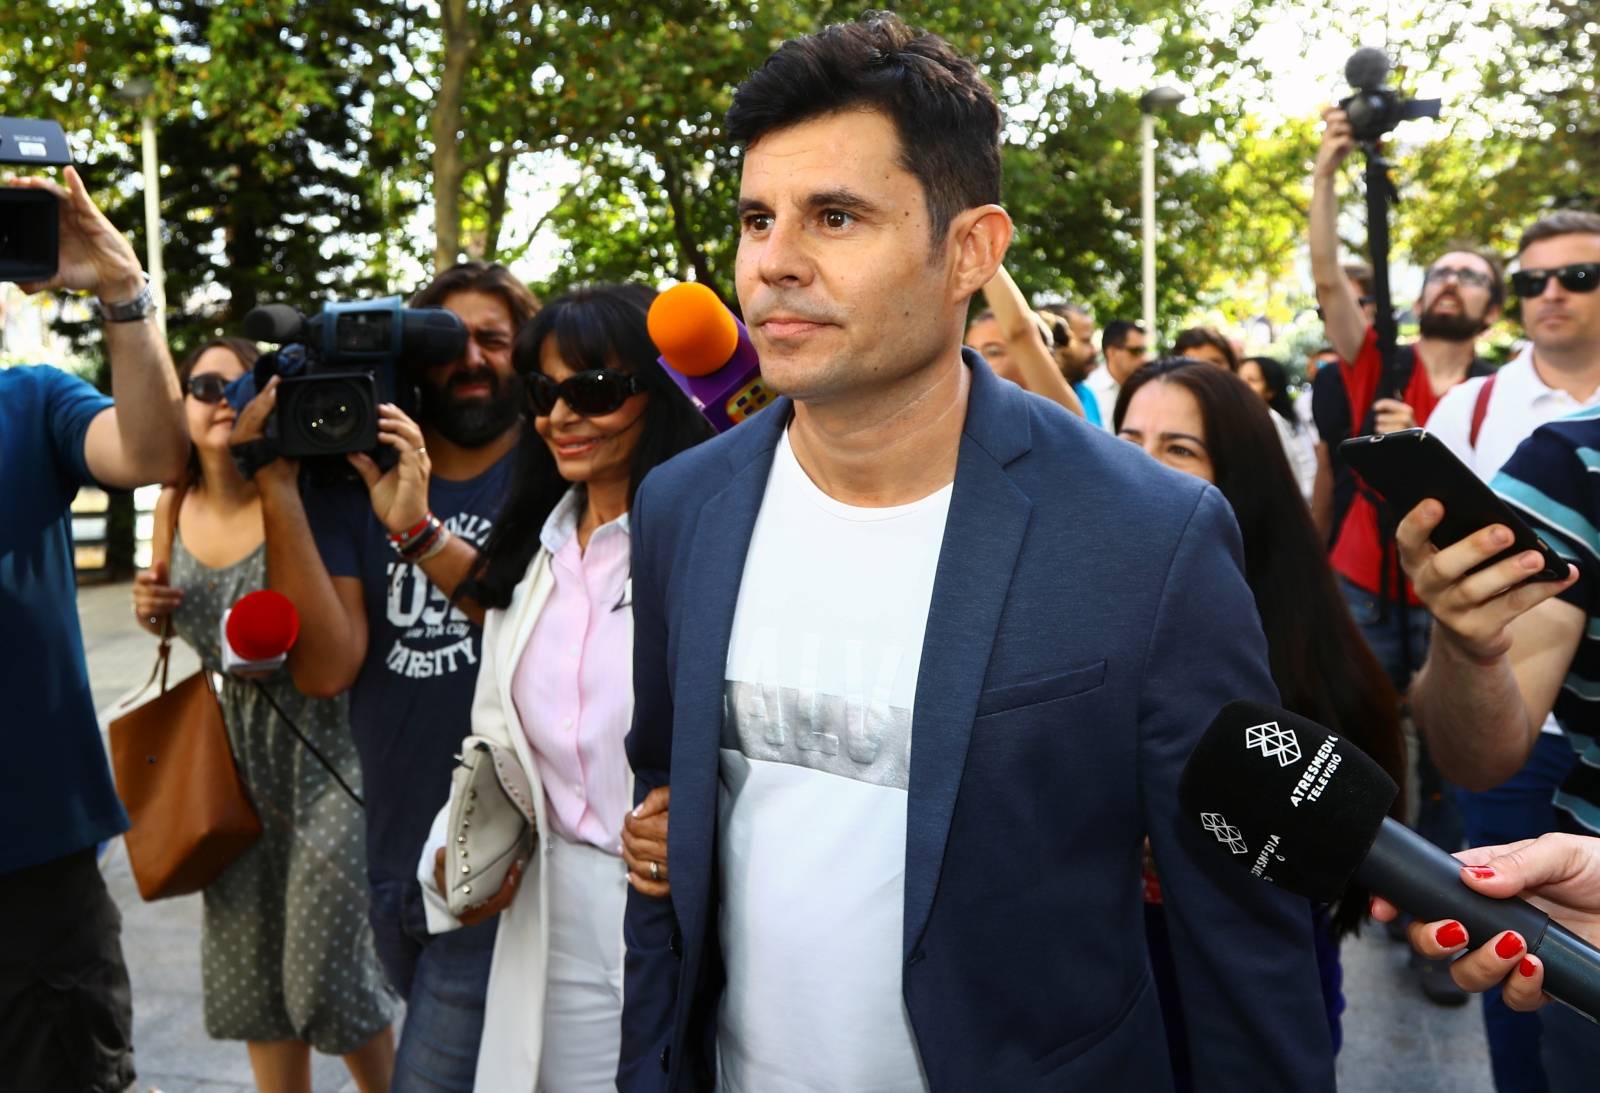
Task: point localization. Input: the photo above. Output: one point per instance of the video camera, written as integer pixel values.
(337, 367)
(1374, 109)
(30, 222)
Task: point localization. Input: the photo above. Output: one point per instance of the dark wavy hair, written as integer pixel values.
(1197, 336)
(601, 326)
(245, 351)
(1319, 660)
(1277, 380)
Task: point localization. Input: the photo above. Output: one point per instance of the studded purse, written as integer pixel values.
(491, 822)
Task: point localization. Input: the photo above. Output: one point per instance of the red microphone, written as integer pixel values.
(258, 632)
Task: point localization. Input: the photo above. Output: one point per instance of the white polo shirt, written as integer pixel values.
(1519, 403)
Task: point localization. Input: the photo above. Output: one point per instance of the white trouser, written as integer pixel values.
(588, 890)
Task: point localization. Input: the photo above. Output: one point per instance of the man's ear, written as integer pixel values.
(981, 236)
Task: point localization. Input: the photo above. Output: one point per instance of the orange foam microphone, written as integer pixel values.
(707, 352)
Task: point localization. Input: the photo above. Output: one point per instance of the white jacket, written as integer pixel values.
(513, 1016)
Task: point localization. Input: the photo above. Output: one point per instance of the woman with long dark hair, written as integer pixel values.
(1204, 421)
(556, 687)
(286, 955)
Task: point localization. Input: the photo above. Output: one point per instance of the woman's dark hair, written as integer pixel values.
(602, 326)
(944, 112)
(1319, 660)
(1276, 377)
(247, 354)
(1197, 336)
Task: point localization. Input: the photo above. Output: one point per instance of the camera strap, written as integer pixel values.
(252, 455)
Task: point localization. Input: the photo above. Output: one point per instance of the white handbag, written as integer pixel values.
(491, 822)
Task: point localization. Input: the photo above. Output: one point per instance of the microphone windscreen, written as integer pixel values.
(694, 331)
(1367, 68)
(1292, 802)
(263, 625)
(273, 323)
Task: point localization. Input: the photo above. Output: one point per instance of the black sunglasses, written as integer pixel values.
(593, 393)
(208, 386)
(1578, 277)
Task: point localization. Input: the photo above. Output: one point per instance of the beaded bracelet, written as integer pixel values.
(415, 541)
(400, 538)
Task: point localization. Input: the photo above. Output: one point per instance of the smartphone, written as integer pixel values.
(1412, 465)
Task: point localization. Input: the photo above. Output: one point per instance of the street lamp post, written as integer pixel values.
(138, 91)
(1150, 103)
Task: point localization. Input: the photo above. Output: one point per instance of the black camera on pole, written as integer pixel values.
(1375, 109)
(30, 221)
(336, 368)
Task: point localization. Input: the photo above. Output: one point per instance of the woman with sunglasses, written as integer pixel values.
(556, 685)
(286, 954)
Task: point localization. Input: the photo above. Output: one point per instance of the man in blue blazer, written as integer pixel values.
(922, 657)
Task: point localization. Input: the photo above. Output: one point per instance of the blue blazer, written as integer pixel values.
(1089, 618)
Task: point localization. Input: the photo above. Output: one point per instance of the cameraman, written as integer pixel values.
(384, 628)
(65, 1013)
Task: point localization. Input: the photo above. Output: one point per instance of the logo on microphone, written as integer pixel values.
(1275, 743)
(1226, 833)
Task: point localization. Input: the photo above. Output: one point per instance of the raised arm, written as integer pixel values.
(143, 437)
(1342, 316)
(1025, 342)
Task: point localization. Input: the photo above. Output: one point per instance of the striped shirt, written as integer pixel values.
(1553, 480)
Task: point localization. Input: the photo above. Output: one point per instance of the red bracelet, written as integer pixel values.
(415, 530)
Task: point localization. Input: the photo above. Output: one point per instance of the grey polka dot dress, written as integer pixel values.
(286, 951)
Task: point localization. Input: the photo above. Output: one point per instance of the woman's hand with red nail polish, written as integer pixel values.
(1525, 990)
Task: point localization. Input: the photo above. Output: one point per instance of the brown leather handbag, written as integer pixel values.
(173, 763)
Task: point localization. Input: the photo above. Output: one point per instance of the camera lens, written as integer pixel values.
(333, 412)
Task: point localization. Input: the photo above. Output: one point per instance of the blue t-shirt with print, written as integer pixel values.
(56, 793)
(412, 702)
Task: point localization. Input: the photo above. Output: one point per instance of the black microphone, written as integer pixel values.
(1304, 808)
(1367, 68)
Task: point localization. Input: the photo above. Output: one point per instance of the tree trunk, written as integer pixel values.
(444, 125)
(495, 214)
(683, 232)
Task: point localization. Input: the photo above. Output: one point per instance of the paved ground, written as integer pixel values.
(1394, 1039)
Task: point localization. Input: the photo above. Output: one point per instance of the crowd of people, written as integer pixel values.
(854, 732)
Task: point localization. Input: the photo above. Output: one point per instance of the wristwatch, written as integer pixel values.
(142, 306)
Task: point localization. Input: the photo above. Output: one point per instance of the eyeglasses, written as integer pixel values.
(1133, 350)
(208, 386)
(1578, 277)
(1438, 275)
(593, 393)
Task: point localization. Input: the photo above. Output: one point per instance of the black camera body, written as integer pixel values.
(30, 221)
(1374, 109)
(336, 368)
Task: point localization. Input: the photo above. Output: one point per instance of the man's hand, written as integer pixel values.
(1473, 610)
(480, 912)
(1558, 873)
(251, 424)
(94, 256)
(1337, 143)
(644, 842)
(1392, 416)
(400, 494)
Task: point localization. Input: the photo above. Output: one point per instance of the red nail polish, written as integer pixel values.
(1527, 968)
(1482, 872)
(1508, 946)
(1450, 935)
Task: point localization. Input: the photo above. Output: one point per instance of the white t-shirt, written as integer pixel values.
(815, 768)
(1105, 391)
(1298, 449)
(1519, 403)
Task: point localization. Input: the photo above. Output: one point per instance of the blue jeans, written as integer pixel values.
(443, 978)
(1520, 808)
(1398, 638)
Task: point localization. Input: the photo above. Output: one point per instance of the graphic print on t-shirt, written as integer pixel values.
(432, 638)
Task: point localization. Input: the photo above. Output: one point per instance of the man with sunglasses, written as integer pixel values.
(373, 572)
(1125, 348)
(1509, 670)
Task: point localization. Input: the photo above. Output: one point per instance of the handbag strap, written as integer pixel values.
(312, 748)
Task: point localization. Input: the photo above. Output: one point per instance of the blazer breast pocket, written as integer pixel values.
(1037, 692)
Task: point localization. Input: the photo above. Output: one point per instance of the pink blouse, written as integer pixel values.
(573, 686)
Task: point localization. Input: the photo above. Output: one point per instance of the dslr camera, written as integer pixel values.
(1374, 109)
(30, 222)
(336, 368)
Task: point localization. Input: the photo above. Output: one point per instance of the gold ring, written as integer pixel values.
(655, 871)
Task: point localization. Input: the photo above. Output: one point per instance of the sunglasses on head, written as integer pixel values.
(593, 393)
(208, 386)
(1363, 301)
(1578, 277)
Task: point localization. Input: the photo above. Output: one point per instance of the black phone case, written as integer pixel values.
(1412, 465)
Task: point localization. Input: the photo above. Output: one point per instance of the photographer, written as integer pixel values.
(65, 1013)
(384, 627)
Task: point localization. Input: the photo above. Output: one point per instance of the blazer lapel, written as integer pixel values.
(982, 539)
(698, 652)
